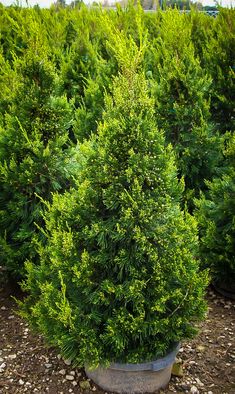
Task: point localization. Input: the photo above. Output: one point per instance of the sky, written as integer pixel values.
(47, 3)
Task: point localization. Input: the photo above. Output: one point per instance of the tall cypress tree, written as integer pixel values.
(214, 41)
(34, 156)
(218, 58)
(181, 92)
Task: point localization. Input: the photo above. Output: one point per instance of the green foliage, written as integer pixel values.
(8, 82)
(11, 34)
(82, 61)
(113, 272)
(118, 278)
(34, 157)
(90, 110)
(118, 52)
(214, 42)
(220, 58)
(216, 215)
(182, 104)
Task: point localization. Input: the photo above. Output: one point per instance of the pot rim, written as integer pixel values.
(156, 365)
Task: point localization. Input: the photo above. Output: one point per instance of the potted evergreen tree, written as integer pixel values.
(118, 280)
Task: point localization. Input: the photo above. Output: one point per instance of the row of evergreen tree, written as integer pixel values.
(80, 89)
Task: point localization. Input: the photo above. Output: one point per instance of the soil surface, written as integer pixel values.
(27, 366)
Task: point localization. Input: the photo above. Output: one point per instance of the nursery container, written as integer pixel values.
(135, 378)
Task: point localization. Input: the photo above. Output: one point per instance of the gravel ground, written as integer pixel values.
(205, 365)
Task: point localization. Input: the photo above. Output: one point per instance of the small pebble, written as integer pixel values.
(74, 383)
(67, 362)
(200, 348)
(184, 386)
(69, 377)
(178, 360)
(3, 365)
(48, 365)
(194, 390)
(12, 356)
(198, 381)
(21, 382)
(62, 372)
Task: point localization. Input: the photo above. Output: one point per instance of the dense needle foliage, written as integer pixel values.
(216, 215)
(119, 277)
(111, 121)
(34, 156)
(181, 90)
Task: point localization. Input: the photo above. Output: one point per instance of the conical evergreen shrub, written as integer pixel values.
(118, 278)
(181, 93)
(35, 157)
(217, 59)
(216, 215)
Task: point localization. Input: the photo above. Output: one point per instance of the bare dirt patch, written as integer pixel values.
(28, 366)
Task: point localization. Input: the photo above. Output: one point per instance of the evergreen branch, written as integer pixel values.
(180, 304)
